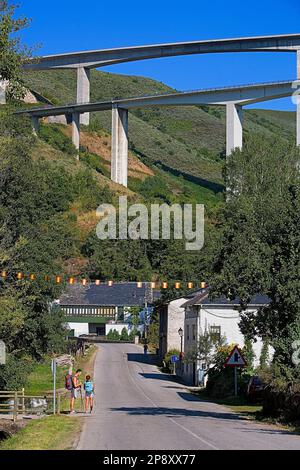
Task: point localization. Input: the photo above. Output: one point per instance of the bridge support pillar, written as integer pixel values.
(234, 127)
(83, 92)
(119, 146)
(76, 131)
(298, 99)
(3, 86)
(35, 124)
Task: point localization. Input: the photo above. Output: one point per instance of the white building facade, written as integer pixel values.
(221, 317)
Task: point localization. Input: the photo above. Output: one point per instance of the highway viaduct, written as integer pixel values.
(233, 98)
(85, 60)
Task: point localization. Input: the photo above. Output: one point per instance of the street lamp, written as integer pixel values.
(180, 332)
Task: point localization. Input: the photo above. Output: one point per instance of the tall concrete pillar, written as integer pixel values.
(119, 146)
(298, 99)
(35, 124)
(76, 131)
(3, 86)
(83, 92)
(234, 127)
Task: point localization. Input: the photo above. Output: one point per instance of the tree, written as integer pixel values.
(124, 334)
(153, 332)
(134, 313)
(35, 237)
(260, 244)
(113, 335)
(207, 345)
(249, 355)
(12, 53)
(264, 354)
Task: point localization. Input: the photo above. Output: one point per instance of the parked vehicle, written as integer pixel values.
(255, 388)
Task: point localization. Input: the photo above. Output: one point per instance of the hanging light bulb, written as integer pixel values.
(139, 284)
(97, 282)
(110, 283)
(20, 275)
(84, 282)
(190, 285)
(32, 277)
(203, 285)
(72, 280)
(177, 285)
(4, 274)
(165, 285)
(153, 285)
(58, 279)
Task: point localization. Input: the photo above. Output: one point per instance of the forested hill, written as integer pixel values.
(176, 155)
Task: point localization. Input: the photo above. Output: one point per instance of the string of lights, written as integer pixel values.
(58, 279)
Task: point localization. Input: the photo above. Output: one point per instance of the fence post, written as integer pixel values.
(58, 403)
(15, 412)
(23, 401)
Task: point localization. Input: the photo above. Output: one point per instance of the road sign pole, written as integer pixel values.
(53, 367)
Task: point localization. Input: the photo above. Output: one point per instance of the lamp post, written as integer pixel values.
(180, 332)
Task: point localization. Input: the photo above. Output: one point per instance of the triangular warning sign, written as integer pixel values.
(235, 358)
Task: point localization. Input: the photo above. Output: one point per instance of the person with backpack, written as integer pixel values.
(73, 385)
(89, 389)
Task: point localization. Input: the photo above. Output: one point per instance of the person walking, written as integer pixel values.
(75, 390)
(89, 389)
(145, 348)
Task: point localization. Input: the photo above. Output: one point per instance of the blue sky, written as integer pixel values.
(71, 25)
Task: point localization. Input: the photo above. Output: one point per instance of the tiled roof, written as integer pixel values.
(202, 298)
(119, 294)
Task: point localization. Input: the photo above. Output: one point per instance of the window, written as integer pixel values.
(194, 332)
(215, 331)
(187, 332)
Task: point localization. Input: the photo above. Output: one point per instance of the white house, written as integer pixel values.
(97, 309)
(220, 316)
(171, 319)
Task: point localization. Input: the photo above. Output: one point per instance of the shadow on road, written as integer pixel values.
(179, 412)
(142, 358)
(173, 412)
(187, 396)
(158, 376)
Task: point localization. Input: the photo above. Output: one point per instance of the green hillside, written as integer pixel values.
(185, 142)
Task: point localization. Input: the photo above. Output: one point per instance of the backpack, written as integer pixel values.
(69, 382)
(88, 386)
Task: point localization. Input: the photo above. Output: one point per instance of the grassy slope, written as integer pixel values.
(40, 380)
(49, 433)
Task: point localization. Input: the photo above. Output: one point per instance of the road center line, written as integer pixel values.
(171, 419)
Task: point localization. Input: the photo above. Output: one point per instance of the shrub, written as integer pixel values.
(113, 335)
(13, 375)
(52, 134)
(167, 358)
(281, 398)
(124, 334)
(220, 381)
(134, 332)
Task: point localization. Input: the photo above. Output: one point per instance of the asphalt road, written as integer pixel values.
(138, 407)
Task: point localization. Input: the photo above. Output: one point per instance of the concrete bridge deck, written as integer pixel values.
(234, 98)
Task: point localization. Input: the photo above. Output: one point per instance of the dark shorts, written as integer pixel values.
(75, 393)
